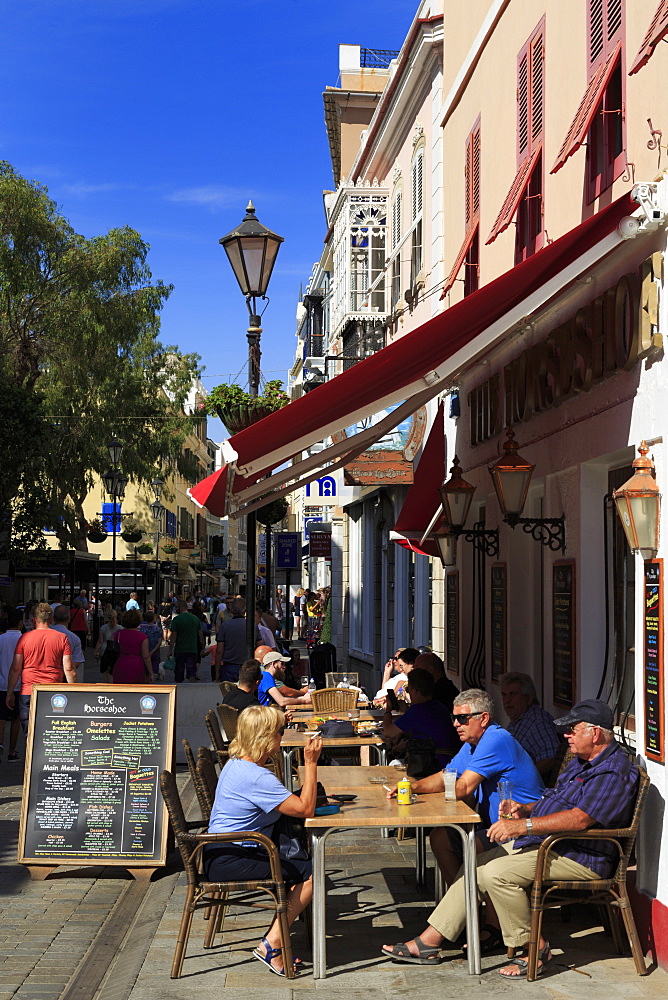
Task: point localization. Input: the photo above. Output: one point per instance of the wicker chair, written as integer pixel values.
(218, 742)
(218, 758)
(226, 687)
(334, 699)
(610, 892)
(202, 894)
(204, 807)
(228, 719)
(206, 781)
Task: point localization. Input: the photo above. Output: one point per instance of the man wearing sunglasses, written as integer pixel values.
(597, 788)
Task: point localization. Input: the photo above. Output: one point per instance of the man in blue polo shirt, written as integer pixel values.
(597, 789)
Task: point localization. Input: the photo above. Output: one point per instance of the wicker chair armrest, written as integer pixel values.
(553, 838)
(200, 840)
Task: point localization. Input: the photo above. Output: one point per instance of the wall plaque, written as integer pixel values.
(653, 660)
(91, 791)
(563, 632)
(499, 620)
(452, 622)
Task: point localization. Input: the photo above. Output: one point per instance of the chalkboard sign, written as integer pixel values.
(452, 622)
(93, 762)
(563, 633)
(499, 620)
(653, 656)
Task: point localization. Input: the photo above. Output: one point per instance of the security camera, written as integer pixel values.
(628, 227)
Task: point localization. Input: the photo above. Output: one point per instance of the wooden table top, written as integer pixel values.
(372, 808)
(293, 738)
(365, 715)
(352, 777)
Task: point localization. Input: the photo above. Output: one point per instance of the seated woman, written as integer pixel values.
(249, 797)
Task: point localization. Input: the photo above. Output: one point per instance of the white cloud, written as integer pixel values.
(81, 190)
(210, 196)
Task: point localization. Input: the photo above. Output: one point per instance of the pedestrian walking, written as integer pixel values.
(42, 656)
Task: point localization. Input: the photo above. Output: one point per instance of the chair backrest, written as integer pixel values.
(177, 819)
(213, 728)
(190, 757)
(333, 679)
(630, 838)
(192, 768)
(228, 719)
(334, 699)
(208, 780)
(226, 687)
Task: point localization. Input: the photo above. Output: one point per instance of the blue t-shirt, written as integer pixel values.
(432, 719)
(268, 681)
(498, 755)
(247, 798)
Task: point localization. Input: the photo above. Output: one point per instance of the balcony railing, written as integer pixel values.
(377, 58)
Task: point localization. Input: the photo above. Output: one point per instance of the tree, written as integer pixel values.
(79, 324)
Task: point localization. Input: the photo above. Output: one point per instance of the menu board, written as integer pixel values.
(563, 632)
(91, 789)
(653, 660)
(499, 620)
(452, 622)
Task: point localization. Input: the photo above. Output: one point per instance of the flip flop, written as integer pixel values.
(523, 964)
(426, 954)
(270, 953)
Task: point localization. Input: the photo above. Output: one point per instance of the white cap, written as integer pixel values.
(274, 657)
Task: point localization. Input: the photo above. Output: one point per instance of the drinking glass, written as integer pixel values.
(505, 790)
(450, 783)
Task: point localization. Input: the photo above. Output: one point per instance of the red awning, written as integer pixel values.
(409, 371)
(584, 116)
(656, 31)
(514, 196)
(423, 501)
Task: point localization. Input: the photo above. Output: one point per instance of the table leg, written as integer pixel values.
(319, 930)
(420, 857)
(472, 923)
(288, 753)
(439, 885)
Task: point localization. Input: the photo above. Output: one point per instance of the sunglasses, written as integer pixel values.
(463, 718)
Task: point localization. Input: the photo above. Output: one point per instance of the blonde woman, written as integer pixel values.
(299, 603)
(249, 797)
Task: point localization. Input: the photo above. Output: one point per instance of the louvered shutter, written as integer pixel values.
(656, 31)
(523, 104)
(396, 219)
(417, 185)
(604, 23)
(537, 89)
(472, 176)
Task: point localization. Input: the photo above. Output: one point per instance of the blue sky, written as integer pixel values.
(167, 115)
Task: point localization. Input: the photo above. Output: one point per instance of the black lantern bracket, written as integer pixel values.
(485, 540)
(549, 531)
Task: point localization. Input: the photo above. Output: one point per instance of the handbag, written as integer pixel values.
(336, 727)
(170, 663)
(111, 653)
(421, 759)
(289, 833)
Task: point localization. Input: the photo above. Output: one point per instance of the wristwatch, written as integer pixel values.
(529, 824)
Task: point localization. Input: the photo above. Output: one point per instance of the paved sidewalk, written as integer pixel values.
(71, 930)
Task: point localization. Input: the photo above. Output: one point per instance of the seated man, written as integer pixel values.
(425, 717)
(245, 693)
(489, 754)
(403, 663)
(597, 788)
(444, 689)
(267, 692)
(531, 725)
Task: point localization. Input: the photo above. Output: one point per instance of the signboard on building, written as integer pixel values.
(320, 544)
(653, 660)
(563, 633)
(91, 789)
(288, 550)
(499, 620)
(329, 491)
(186, 543)
(452, 622)
(390, 460)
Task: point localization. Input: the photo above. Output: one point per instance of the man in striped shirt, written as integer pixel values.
(531, 725)
(597, 789)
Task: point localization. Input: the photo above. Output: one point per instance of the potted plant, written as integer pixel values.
(96, 531)
(238, 409)
(170, 548)
(273, 512)
(145, 549)
(131, 533)
(229, 574)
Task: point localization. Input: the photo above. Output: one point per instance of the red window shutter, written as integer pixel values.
(459, 260)
(537, 88)
(475, 172)
(577, 132)
(523, 104)
(656, 31)
(472, 176)
(514, 196)
(604, 23)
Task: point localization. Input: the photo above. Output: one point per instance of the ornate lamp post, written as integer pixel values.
(157, 510)
(456, 497)
(252, 249)
(114, 483)
(638, 504)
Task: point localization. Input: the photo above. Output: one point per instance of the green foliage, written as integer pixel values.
(79, 322)
(226, 397)
(326, 630)
(273, 512)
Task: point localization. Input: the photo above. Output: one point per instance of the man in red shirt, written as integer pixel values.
(42, 656)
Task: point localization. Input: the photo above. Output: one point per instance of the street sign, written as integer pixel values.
(288, 550)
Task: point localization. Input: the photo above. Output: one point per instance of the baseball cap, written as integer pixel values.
(274, 657)
(591, 710)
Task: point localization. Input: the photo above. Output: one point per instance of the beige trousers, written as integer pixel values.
(504, 875)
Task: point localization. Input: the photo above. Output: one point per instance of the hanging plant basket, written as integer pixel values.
(96, 532)
(132, 536)
(145, 549)
(273, 512)
(229, 574)
(170, 549)
(238, 409)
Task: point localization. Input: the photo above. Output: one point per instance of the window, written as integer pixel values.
(396, 239)
(606, 159)
(108, 518)
(368, 217)
(417, 195)
(528, 235)
(472, 265)
(469, 251)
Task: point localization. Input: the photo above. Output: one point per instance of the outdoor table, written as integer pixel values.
(365, 715)
(372, 808)
(293, 740)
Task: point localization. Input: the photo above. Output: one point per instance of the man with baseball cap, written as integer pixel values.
(596, 789)
(268, 693)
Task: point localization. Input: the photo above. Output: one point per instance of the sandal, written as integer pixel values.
(270, 953)
(523, 964)
(426, 954)
(490, 944)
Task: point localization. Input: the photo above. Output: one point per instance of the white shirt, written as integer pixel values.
(391, 684)
(8, 641)
(74, 641)
(268, 637)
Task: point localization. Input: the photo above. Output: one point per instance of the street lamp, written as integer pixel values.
(639, 506)
(114, 483)
(456, 497)
(252, 249)
(157, 511)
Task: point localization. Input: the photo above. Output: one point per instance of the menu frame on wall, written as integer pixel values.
(653, 660)
(72, 757)
(499, 619)
(452, 622)
(564, 632)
